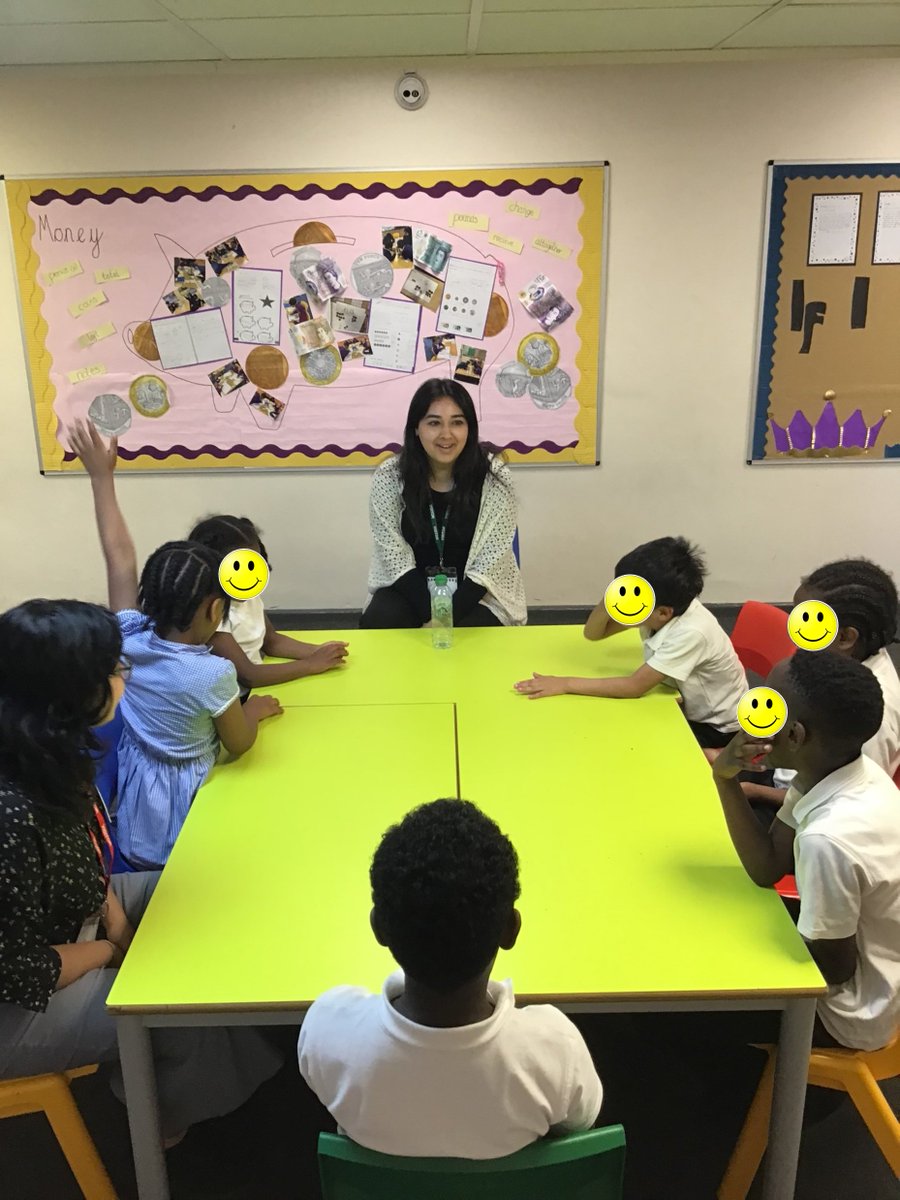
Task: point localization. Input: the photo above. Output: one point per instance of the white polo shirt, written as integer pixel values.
(847, 853)
(477, 1091)
(693, 651)
(884, 747)
(246, 622)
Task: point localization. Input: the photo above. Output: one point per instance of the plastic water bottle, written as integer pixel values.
(441, 614)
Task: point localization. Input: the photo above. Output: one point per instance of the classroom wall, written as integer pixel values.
(688, 145)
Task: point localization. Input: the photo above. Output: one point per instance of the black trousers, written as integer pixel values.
(389, 609)
(708, 736)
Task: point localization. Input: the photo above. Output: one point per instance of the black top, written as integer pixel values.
(457, 544)
(50, 883)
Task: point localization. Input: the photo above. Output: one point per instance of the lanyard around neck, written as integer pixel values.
(440, 536)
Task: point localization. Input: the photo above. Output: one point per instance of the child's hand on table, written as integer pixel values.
(97, 458)
(326, 657)
(262, 707)
(743, 753)
(542, 685)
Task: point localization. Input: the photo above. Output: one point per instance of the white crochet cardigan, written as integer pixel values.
(491, 561)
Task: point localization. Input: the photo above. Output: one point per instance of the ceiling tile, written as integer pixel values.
(196, 10)
(338, 37)
(583, 6)
(610, 30)
(135, 41)
(823, 25)
(45, 12)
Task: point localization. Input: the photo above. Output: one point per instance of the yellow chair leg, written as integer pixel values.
(76, 1143)
(877, 1114)
(752, 1142)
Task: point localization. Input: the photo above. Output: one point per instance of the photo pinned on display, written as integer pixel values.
(267, 405)
(440, 348)
(431, 252)
(543, 301)
(298, 309)
(397, 245)
(357, 347)
(470, 366)
(349, 316)
(425, 289)
(311, 335)
(324, 279)
(184, 298)
(226, 256)
(228, 378)
(190, 270)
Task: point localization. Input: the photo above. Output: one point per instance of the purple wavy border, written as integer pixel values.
(339, 192)
(280, 452)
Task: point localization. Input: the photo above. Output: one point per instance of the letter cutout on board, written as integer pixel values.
(814, 315)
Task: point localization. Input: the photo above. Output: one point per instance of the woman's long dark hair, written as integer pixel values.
(469, 470)
(56, 657)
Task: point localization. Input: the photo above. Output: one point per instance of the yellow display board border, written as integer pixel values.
(591, 299)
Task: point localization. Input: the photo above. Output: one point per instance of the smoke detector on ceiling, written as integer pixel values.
(411, 91)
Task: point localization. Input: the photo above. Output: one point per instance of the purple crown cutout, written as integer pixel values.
(827, 434)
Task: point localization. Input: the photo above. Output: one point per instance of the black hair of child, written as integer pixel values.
(836, 697)
(175, 581)
(444, 881)
(863, 596)
(672, 566)
(224, 533)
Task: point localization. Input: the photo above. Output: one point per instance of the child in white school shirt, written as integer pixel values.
(684, 645)
(840, 822)
(441, 1063)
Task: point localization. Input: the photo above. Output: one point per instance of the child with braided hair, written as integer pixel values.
(183, 701)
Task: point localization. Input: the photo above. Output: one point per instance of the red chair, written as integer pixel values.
(760, 637)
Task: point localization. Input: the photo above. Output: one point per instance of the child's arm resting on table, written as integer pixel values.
(251, 674)
(623, 687)
(99, 460)
(238, 724)
(767, 855)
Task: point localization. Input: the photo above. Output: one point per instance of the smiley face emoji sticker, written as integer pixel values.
(813, 625)
(762, 712)
(243, 574)
(629, 600)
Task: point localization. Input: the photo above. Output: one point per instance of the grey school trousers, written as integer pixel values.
(201, 1072)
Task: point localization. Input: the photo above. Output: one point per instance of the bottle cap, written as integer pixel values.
(440, 580)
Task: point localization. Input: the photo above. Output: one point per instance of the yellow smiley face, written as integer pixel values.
(243, 574)
(629, 600)
(762, 712)
(813, 625)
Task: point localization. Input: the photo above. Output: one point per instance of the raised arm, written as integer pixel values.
(99, 460)
(767, 854)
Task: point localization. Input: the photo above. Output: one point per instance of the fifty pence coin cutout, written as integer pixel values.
(302, 258)
(110, 415)
(512, 380)
(551, 390)
(372, 275)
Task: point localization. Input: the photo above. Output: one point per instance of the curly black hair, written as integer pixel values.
(672, 566)
(224, 533)
(444, 883)
(176, 579)
(864, 598)
(56, 659)
(835, 697)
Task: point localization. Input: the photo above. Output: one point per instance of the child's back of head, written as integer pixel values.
(836, 699)
(223, 533)
(863, 597)
(444, 885)
(177, 580)
(672, 566)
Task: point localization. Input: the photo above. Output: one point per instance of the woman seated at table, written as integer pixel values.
(65, 926)
(444, 504)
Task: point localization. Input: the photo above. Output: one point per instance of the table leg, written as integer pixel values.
(786, 1121)
(136, 1057)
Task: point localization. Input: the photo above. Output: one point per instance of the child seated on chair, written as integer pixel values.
(684, 645)
(441, 1063)
(841, 823)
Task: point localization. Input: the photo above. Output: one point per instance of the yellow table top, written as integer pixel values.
(630, 885)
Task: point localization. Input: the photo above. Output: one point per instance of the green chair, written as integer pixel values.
(580, 1166)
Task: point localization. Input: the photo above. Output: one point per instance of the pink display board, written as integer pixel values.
(193, 313)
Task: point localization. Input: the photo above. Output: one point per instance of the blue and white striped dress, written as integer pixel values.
(169, 742)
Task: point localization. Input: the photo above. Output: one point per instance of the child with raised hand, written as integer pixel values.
(441, 1063)
(182, 702)
(245, 633)
(684, 645)
(840, 823)
(864, 599)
